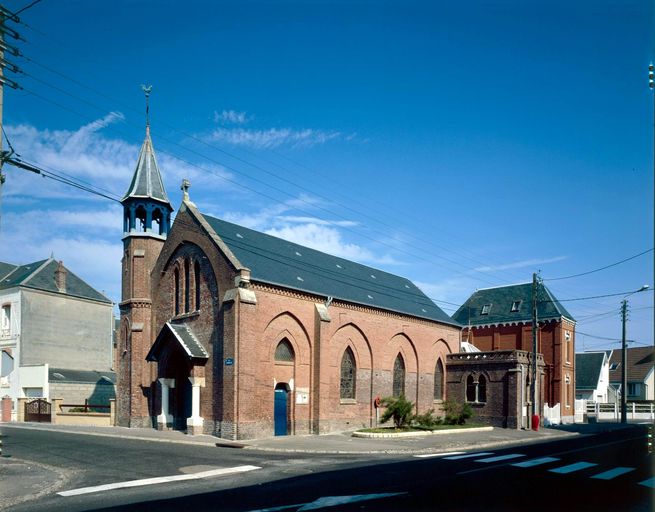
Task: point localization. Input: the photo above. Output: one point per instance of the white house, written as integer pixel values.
(49, 318)
(592, 376)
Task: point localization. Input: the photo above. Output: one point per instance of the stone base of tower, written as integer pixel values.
(144, 422)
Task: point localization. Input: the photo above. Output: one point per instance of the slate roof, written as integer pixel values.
(282, 263)
(5, 268)
(640, 361)
(587, 369)
(183, 334)
(501, 299)
(146, 181)
(81, 376)
(40, 275)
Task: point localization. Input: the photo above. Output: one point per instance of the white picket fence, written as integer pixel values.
(612, 411)
(596, 411)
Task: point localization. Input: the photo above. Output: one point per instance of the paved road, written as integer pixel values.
(608, 471)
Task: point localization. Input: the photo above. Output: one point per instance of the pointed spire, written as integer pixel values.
(147, 181)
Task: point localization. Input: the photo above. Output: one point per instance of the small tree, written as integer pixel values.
(400, 409)
(456, 413)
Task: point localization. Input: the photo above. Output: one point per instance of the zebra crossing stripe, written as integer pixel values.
(468, 456)
(535, 462)
(427, 455)
(613, 473)
(573, 467)
(501, 457)
(649, 483)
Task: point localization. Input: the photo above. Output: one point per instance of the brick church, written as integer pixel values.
(232, 332)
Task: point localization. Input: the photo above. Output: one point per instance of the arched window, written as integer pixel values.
(196, 278)
(438, 380)
(187, 289)
(284, 352)
(176, 291)
(398, 377)
(348, 374)
(476, 389)
(470, 389)
(482, 389)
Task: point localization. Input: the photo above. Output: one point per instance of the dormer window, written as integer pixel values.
(485, 309)
(516, 305)
(614, 366)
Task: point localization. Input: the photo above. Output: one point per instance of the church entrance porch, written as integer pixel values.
(181, 359)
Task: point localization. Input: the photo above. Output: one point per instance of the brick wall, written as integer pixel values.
(237, 399)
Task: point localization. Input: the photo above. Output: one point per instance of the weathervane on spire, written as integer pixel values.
(147, 89)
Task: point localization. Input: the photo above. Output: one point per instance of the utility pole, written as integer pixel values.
(6, 15)
(624, 358)
(535, 410)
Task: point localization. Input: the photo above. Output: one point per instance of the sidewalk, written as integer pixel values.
(341, 442)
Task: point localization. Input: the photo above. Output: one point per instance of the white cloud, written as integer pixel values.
(519, 264)
(325, 239)
(317, 221)
(231, 117)
(272, 137)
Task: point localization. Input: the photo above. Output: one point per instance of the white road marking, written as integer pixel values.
(425, 455)
(501, 457)
(649, 483)
(158, 480)
(613, 473)
(535, 462)
(330, 501)
(573, 467)
(469, 455)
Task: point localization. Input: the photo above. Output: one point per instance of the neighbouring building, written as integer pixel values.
(500, 318)
(639, 373)
(51, 322)
(592, 371)
(495, 384)
(232, 332)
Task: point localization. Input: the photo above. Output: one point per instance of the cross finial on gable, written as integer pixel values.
(186, 184)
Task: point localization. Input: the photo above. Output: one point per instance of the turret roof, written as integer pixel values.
(147, 182)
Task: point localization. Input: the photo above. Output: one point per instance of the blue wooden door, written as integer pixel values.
(280, 412)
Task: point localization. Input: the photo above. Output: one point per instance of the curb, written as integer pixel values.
(375, 435)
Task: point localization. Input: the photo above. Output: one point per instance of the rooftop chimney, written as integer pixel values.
(60, 277)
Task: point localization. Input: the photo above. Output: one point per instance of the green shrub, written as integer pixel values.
(399, 409)
(427, 419)
(456, 413)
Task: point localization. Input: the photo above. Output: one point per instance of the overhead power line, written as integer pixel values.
(593, 297)
(598, 269)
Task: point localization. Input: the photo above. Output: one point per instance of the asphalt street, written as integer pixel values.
(606, 471)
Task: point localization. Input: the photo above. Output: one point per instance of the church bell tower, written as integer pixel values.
(146, 222)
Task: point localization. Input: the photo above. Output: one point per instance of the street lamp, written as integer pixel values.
(624, 355)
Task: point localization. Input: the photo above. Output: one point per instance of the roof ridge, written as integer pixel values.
(502, 286)
(36, 272)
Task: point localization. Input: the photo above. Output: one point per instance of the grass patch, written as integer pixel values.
(395, 430)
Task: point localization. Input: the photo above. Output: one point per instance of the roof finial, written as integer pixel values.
(185, 189)
(147, 89)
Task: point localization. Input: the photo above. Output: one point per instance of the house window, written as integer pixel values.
(176, 291)
(516, 305)
(398, 377)
(485, 309)
(476, 389)
(5, 321)
(187, 288)
(348, 375)
(33, 392)
(567, 339)
(196, 279)
(438, 380)
(633, 389)
(614, 366)
(284, 352)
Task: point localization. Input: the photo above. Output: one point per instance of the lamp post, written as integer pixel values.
(624, 354)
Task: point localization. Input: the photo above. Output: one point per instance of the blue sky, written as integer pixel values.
(462, 145)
